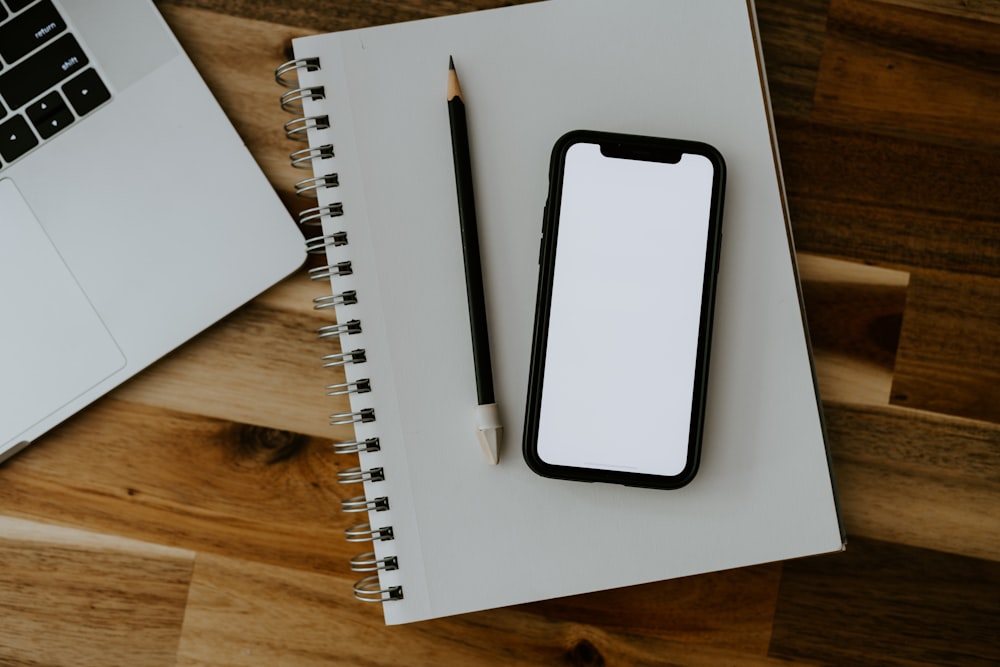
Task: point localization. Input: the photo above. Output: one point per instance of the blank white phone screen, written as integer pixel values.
(625, 312)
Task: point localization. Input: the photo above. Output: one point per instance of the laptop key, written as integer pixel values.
(26, 32)
(49, 115)
(86, 92)
(18, 5)
(58, 60)
(16, 138)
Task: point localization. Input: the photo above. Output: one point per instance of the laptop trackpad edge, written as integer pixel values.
(55, 346)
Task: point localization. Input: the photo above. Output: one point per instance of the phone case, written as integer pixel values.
(640, 148)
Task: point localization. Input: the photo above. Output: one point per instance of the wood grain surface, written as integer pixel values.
(191, 517)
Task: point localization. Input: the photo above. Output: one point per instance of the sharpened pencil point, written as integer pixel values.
(454, 88)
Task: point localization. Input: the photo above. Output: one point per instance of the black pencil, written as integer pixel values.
(488, 423)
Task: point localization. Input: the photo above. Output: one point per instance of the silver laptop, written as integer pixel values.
(131, 215)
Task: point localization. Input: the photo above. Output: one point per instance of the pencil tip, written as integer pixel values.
(451, 63)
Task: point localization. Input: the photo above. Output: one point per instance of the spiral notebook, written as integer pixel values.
(443, 532)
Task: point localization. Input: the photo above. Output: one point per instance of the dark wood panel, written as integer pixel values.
(982, 10)
(910, 72)
(697, 609)
(792, 35)
(333, 15)
(949, 354)
(887, 604)
(889, 200)
(237, 614)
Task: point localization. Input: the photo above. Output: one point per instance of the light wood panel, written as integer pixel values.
(854, 313)
(183, 480)
(71, 597)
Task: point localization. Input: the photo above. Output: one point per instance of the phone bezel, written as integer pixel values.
(632, 147)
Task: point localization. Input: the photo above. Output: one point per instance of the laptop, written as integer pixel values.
(132, 216)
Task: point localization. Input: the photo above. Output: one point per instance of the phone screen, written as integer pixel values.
(631, 256)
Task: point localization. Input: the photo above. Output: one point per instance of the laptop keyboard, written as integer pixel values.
(46, 82)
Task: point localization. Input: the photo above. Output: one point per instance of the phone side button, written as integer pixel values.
(541, 239)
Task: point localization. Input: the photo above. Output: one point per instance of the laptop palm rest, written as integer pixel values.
(47, 318)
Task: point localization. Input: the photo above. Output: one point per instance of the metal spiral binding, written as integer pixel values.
(317, 245)
(331, 270)
(297, 129)
(362, 416)
(369, 562)
(292, 100)
(314, 216)
(356, 475)
(332, 330)
(357, 446)
(363, 532)
(362, 386)
(300, 101)
(347, 298)
(343, 358)
(307, 64)
(367, 590)
(303, 158)
(363, 504)
(309, 187)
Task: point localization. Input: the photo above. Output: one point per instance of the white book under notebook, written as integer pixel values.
(451, 533)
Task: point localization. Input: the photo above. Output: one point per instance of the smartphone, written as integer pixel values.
(629, 255)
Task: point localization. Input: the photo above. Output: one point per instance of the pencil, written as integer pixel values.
(488, 426)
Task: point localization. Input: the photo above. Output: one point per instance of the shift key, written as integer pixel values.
(34, 76)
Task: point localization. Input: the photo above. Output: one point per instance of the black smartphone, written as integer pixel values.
(629, 255)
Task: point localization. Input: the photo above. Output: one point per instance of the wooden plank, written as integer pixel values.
(854, 312)
(891, 201)
(696, 609)
(889, 604)
(910, 72)
(949, 351)
(343, 16)
(68, 597)
(187, 481)
(792, 40)
(980, 10)
(248, 614)
(917, 478)
(792, 36)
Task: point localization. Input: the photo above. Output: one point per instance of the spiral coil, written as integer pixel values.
(343, 358)
(346, 298)
(303, 158)
(311, 125)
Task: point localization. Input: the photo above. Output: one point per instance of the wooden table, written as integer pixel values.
(191, 517)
